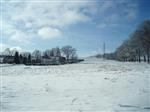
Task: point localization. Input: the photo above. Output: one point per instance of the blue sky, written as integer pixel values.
(84, 24)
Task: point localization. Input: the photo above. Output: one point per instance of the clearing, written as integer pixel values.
(91, 86)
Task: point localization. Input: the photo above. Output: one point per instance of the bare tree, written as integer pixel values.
(47, 53)
(137, 45)
(7, 51)
(68, 52)
(37, 54)
(144, 34)
(56, 52)
(141, 40)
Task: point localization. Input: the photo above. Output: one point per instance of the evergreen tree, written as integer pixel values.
(29, 59)
(21, 58)
(16, 59)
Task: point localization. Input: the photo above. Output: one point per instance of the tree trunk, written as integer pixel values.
(139, 55)
(148, 57)
(144, 58)
(67, 58)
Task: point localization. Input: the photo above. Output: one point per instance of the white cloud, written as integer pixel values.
(17, 48)
(14, 34)
(19, 36)
(24, 19)
(34, 16)
(56, 14)
(4, 46)
(48, 33)
(71, 17)
(115, 13)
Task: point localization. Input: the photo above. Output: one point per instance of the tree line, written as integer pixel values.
(137, 46)
(135, 49)
(66, 54)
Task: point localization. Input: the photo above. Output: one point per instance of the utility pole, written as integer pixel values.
(104, 48)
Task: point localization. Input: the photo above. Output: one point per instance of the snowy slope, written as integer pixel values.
(91, 86)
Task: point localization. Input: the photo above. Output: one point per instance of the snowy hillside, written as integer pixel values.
(91, 86)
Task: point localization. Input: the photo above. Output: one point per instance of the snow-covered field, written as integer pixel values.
(91, 86)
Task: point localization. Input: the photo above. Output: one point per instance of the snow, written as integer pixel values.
(94, 85)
